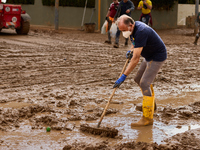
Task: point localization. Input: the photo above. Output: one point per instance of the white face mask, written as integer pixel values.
(126, 34)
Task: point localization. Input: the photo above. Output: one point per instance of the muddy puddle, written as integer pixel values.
(28, 135)
(62, 80)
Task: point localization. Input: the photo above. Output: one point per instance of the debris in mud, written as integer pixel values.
(98, 111)
(111, 111)
(80, 146)
(37, 126)
(98, 101)
(135, 146)
(146, 146)
(189, 140)
(63, 126)
(75, 117)
(2, 128)
(53, 121)
(72, 103)
(31, 110)
(163, 79)
(60, 104)
(50, 102)
(168, 112)
(10, 117)
(60, 97)
(102, 131)
(67, 147)
(124, 146)
(70, 126)
(71, 94)
(3, 101)
(191, 111)
(186, 113)
(90, 117)
(47, 120)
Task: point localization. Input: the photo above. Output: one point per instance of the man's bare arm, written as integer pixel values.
(134, 60)
(108, 14)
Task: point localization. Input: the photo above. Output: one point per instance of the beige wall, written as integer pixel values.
(185, 10)
(71, 17)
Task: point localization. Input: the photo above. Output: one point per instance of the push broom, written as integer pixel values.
(104, 131)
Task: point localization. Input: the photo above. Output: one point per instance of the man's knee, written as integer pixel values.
(145, 88)
(144, 85)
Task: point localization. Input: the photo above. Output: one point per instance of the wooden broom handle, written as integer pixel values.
(104, 112)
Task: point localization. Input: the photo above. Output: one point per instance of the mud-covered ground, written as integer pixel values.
(62, 79)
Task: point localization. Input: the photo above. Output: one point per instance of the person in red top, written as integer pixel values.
(110, 18)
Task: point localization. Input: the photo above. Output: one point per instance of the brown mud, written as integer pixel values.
(64, 78)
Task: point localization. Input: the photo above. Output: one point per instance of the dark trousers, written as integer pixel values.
(145, 18)
(109, 25)
(146, 74)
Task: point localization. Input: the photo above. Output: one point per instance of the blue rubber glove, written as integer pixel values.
(119, 81)
(129, 54)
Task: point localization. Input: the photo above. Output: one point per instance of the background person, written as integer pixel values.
(125, 7)
(110, 18)
(197, 35)
(146, 6)
(147, 43)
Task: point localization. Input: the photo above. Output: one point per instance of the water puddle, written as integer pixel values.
(27, 138)
(179, 100)
(171, 130)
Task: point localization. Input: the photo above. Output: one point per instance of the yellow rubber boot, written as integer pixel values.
(152, 90)
(139, 107)
(148, 111)
(152, 93)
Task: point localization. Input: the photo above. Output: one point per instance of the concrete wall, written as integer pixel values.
(71, 17)
(185, 10)
(162, 19)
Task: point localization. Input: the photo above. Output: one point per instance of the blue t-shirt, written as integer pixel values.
(125, 6)
(153, 46)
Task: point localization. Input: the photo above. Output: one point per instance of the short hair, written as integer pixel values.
(125, 19)
(128, 20)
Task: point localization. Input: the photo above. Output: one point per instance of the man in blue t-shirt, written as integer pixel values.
(147, 43)
(125, 7)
